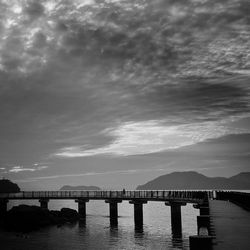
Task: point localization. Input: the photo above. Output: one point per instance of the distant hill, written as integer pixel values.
(6, 186)
(194, 180)
(241, 177)
(67, 187)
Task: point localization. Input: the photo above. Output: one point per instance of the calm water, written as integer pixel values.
(96, 232)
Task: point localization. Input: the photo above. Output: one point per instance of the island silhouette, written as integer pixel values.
(193, 180)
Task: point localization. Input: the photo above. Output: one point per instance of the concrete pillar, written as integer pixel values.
(176, 223)
(44, 203)
(113, 207)
(203, 221)
(82, 207)
(3, 206)
(138, 212)
(113, 211)
(204, 210)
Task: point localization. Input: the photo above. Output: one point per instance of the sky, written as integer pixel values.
(114, 93)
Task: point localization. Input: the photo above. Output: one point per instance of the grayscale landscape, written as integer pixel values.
(124, 124)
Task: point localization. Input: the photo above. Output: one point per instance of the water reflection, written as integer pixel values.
(176, 233)
(97, 231)
(113, 222)
(139, 232)
(177, 243)
(113, 232)
(70, 224)
(82, 223)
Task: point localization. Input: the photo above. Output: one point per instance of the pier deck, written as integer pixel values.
(152, 195)
(231, 225)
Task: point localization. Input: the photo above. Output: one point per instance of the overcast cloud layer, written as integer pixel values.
(118, 78)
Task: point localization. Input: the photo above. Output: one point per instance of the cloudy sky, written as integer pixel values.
(116, 92)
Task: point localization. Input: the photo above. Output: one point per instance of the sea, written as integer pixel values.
(96, 232)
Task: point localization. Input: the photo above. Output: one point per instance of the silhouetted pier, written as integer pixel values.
(231, 225)
(175, 199)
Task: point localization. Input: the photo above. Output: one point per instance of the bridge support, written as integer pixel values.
(138, 212)
(113, 211)
(203, 221)
(113, 208)
(44, 203)
(176, 223)
(204, 208)
(82, 207)
(3, 207)
(203, 239)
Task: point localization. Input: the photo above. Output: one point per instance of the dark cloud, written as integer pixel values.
(199, 99)
(33, 9)
(226, 147)
(72, 71)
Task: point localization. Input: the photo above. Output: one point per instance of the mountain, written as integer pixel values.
(194, 180)
(67, 187)
(242, 177)
(6, 186)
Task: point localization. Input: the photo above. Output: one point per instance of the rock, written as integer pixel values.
(69, 214)
(26, 218)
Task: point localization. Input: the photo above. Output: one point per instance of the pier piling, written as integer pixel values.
(82, 207)
(138, 212)
(113, 208)
(176, 223)
(44, 203)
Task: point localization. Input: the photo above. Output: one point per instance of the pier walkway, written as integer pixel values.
(138, 198)
(152, 195)
(219, 216)
(231, 224)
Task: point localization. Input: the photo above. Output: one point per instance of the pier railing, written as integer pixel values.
(174, 199)
(240, 198)
(161, 195)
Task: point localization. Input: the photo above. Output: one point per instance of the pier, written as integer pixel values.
(214, 222)
(173, 199)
